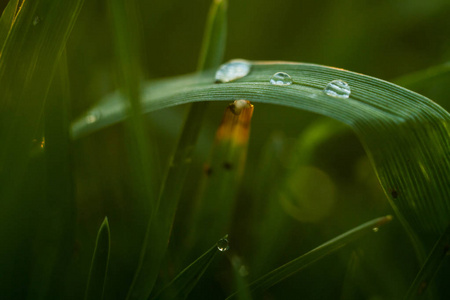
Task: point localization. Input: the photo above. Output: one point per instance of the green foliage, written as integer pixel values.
(91, 123)
(95, 288)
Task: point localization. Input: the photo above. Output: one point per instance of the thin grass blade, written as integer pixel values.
(54, 237)
(239, 274)
(27, 64)
(6, 20)
(180, 287)
(270, 223)
(436, 258)
(158, 230)
(422, 77)
(99, 267)
(314, 255)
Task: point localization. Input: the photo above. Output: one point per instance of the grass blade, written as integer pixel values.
(270, 222)
(186, 280)
(239, 280)
(435, 260)
(421, 77)
(388, 119)
(158, 230)
(54, 239)
(223, 175)
(125, 17)
(99, 267)
(27, 64)
(6, 20)
(314, 255)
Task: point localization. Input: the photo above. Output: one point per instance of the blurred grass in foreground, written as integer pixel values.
(305, 180)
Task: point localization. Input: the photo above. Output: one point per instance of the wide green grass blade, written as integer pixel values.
(158, 230)
(434, 261)
(54, 237)
(314, 255)
(405, 134)
(180, 287)
(99, 267)
(6, 21)
(28, 61)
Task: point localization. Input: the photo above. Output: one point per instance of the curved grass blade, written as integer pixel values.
(55, 230)
(27, 64)
(314, 255)
(99, 267)
(436, 258)
(406, 135)
(180, 287)
(6, 20)
(158, 230)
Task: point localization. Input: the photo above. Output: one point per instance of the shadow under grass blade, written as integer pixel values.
(99, 267)
(437, 257)
(158, 229)
(314, 255)
(180, 287)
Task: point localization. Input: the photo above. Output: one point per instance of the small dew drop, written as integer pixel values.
(338, 89)
(92, 118)
(375, 229)
(223, 245)
(36, 20)
(281, 78)
(233, 70)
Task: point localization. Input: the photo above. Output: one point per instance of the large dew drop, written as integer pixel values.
(338, 89)
(223, 245)
(281, 78)
(233, 70)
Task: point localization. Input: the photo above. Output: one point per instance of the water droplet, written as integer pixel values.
(36, 20)
(92, 117)
(233, 70)
(375, 229)
(223, 245)
(338, 89)
(281, 78)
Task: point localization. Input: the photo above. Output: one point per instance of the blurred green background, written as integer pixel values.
(339, 190)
